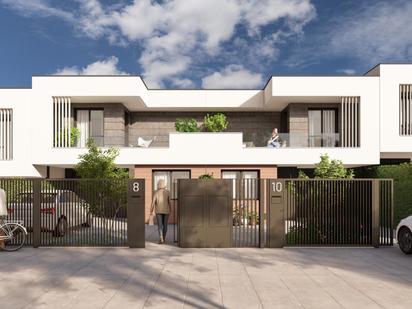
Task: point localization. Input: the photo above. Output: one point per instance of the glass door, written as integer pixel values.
(82, 123)
(322, 127)
(91, 126)
(315, 128)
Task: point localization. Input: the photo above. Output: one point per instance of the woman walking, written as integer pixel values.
(161, 205)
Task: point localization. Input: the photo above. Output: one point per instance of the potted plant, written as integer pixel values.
(253, 219)
(215, 123)
(186, 125)
(206, 176)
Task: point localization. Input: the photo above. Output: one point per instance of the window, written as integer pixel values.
(90, 123)
(6, 134)
(245, 184)
(170, 177)
(405, 109)
(322, 127)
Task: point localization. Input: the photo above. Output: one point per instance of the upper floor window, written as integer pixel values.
(405, 109)
(6, 134)
(322, 127)
(90, 123)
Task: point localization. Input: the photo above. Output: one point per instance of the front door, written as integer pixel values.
(205, 213)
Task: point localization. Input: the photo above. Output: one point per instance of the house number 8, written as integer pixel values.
(277, 186)
(136, 187)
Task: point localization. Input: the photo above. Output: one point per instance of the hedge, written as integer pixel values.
(402, 178)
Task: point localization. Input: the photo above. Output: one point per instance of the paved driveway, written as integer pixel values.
(163, 276)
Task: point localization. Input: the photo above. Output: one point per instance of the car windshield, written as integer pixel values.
(45, 198)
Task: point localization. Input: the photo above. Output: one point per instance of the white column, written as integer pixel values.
(69, 119)
(401, 109)
(2, 146)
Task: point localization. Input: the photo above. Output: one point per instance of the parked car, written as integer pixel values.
(404, 235)
(60, 210)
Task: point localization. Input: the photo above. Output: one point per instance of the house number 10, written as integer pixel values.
(277, 186)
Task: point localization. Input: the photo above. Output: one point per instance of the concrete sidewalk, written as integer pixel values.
(163, 276)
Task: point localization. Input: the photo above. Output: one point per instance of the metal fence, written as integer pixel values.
(338, 212)
(77, 212)
(318, 212)
(386, 209)
(69, 212)
(248, 213)
(18, 209)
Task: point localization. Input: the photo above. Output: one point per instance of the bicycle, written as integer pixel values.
(13, 235)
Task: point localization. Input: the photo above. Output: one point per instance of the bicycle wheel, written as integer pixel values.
(16, 236)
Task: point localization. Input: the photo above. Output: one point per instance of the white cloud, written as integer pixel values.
(233, 77)
(347, 71)
(174, 35)
(103, 67)
(139, 20)
(38, 7)
(375, 32)
(380, 31)
(261, 12)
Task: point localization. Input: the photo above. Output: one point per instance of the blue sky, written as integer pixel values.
(200, 43)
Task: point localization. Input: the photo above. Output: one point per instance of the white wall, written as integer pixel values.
(391, 77)
(25, 132)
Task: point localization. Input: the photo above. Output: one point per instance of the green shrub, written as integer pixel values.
(329, 169)
(74, 136)
(186, 125)
(402, 182)
(216, 123)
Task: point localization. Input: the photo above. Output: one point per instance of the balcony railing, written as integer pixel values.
(298, 140)
(286, 140)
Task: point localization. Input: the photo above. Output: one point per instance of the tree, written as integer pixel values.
(104, 187)
(98, 163)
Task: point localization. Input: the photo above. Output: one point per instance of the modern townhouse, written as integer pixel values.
(357, 119)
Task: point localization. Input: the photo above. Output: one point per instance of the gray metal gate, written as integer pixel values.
(205, 213)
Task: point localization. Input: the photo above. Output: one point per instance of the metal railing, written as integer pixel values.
(295, 140)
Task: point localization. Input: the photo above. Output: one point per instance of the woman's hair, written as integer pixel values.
(161, 184)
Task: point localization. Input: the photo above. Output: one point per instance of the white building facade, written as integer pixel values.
(357, 119)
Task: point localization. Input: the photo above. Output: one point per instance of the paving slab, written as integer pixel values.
(165, 276)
